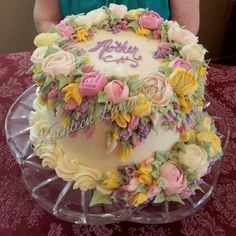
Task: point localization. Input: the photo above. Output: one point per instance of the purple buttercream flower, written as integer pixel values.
(187, 192)
(83, 108)
(171, 116)
(116, 28)
(125, 135)
(143, 130)
(163, 51)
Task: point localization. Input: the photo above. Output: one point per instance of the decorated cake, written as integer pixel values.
(119, 106)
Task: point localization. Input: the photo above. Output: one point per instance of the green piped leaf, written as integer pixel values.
(159, 198)
(102, 97)
(99, 198)
(141, 189)
(63, 81)
(174, 198)
(134, 25)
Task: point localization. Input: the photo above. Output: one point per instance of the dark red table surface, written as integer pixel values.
(21, 216)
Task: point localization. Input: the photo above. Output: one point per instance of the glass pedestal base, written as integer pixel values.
(57, 196)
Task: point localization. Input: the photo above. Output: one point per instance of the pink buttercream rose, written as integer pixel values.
(91, 83)
(65, 30)
(59, 63)
(181, 63)
(150, 20)
(174, 178)
(117, 91)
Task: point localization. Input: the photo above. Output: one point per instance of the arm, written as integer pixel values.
(187, 13)
(46, 13)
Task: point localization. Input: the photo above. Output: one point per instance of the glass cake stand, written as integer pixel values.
(57, 196)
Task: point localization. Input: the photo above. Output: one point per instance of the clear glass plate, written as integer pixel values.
(57, 196)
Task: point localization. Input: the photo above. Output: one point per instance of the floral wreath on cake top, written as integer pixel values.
(71, 85)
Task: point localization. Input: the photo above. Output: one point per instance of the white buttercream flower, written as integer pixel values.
(61, 62)
(195, 158)
(84, 20)
(181, 36)
(97, 16)
(118, 11)
(38, 54)
(192, 52)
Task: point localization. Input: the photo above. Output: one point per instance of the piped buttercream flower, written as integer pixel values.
(38, 55)
(72, 92)
(141, 106)
(143, 32)
(186, 105)
(59, 63)
(125, 150)
(183, 82)
(180, 63)
(121, 119)
(174, 178)
(139, 198)
(195, 158)
(150, 20)
(45, 39)
(111, 182)
(210, 137)
(65, 30)
(181, 36)
(91, 83)
(82, 35)
(97, 16)
(118, 11)
(84, 20)
(193, 52)
(157, 89)
(163, 51)
(135, 13)
(117, 91)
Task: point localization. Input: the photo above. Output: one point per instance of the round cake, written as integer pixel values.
(119, 106)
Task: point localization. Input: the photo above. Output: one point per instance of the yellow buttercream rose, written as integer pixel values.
(143, 32)
(142, 107)
(209, 136)
(112, 182)
(183, 82)
(45, 39)
(72, 92)
(139, 198)
(134, 14)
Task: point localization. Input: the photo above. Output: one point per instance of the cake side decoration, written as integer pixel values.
(127, 94)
